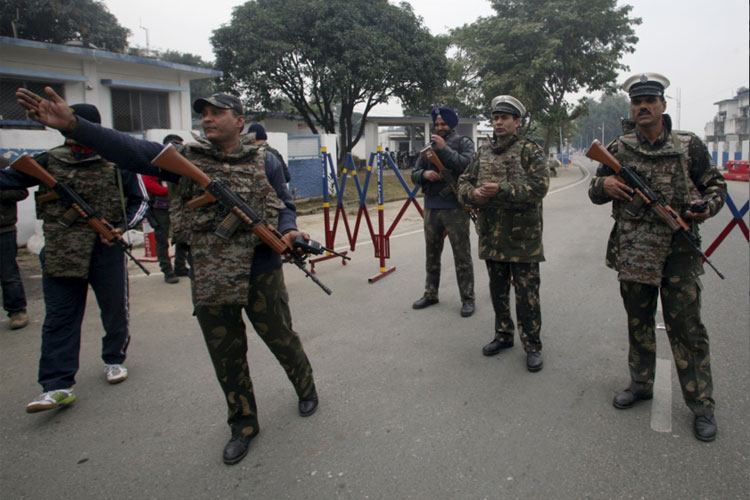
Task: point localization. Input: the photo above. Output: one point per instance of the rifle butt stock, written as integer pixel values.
(29, 166)
(171, 160)
(599, 153)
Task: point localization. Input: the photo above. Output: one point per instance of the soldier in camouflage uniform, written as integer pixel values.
(507, 181)
(228, 276)
(443, 213)
(649, 259)
(75, 257)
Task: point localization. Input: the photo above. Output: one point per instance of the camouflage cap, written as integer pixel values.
(508, 104)
(220, 100)
(646, 84)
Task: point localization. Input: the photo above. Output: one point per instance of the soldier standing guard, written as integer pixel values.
(443, 214)
(507, 181)
(649, 259)
(228, 276)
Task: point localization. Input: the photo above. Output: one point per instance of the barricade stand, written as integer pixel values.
(149, 243)
(737, 220)
(330, 234)
(381, 241)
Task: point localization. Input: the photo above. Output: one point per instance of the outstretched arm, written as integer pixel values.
(126, 151)
(54, 112)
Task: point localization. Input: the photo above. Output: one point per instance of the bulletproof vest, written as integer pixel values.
(222, 267)
(640, 247)
(664, 169)
(500, 161)
(68, 249)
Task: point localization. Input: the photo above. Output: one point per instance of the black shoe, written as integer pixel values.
(534, 361)
(705, 428)
(627, 398)
(308, 404)
(171, 278)
(467, 309)
(182, 272)
(496, 346)
(424, 302)
(237, 447)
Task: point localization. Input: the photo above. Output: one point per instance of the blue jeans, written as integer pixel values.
(14, 298)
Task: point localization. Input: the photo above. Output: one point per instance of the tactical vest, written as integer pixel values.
(68, 250)
(222, 268)
(508, 231)
(642, 242)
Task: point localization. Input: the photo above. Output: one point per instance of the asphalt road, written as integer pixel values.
(410, 409)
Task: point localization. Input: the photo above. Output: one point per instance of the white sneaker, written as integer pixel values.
(115, 373)
(51, 399)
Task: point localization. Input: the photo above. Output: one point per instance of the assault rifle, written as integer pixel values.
(430, 155)
(629, 176)
(171, 160)
(78, 206)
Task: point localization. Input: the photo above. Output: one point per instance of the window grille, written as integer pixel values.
(11, 111)
(139, 110)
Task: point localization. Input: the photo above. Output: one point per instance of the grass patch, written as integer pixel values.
(393, 190)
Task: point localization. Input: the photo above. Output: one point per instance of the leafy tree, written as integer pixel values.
(461, 91)
(59, 21)
(198, 88)
(326, 57)
(603, 121)
(542, 50)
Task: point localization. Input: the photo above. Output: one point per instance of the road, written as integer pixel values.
(410, 409)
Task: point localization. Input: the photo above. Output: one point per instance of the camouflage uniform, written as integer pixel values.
(510, 231)
(226, 281)
(228, 276)
(650, 260)
(444, 215)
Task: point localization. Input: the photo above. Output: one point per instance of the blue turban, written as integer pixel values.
(447, 114)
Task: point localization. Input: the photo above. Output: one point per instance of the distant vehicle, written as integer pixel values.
(737, 170)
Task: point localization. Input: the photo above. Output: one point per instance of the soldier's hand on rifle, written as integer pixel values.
(698, 211)
(431, 175)
(116, 232)
(54, 113)
(616, 189)
(288, 238)
(438, 141)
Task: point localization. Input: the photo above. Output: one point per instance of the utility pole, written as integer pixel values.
(148, 46)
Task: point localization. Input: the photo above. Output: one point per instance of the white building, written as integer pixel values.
(728, 135)
(145, 97)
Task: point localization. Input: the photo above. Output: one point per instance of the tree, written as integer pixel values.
(198, 88)
(603, 121)
(327, 57)
(543, 50)
(59, 21)
(461, 91)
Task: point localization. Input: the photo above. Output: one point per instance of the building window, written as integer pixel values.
(11, 113)
(139, 110)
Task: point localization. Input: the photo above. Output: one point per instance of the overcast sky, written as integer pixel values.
(702, 47)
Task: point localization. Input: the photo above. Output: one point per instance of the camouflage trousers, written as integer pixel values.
(681, 303)
(526, 281)
(224, 332)
(454, 222)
